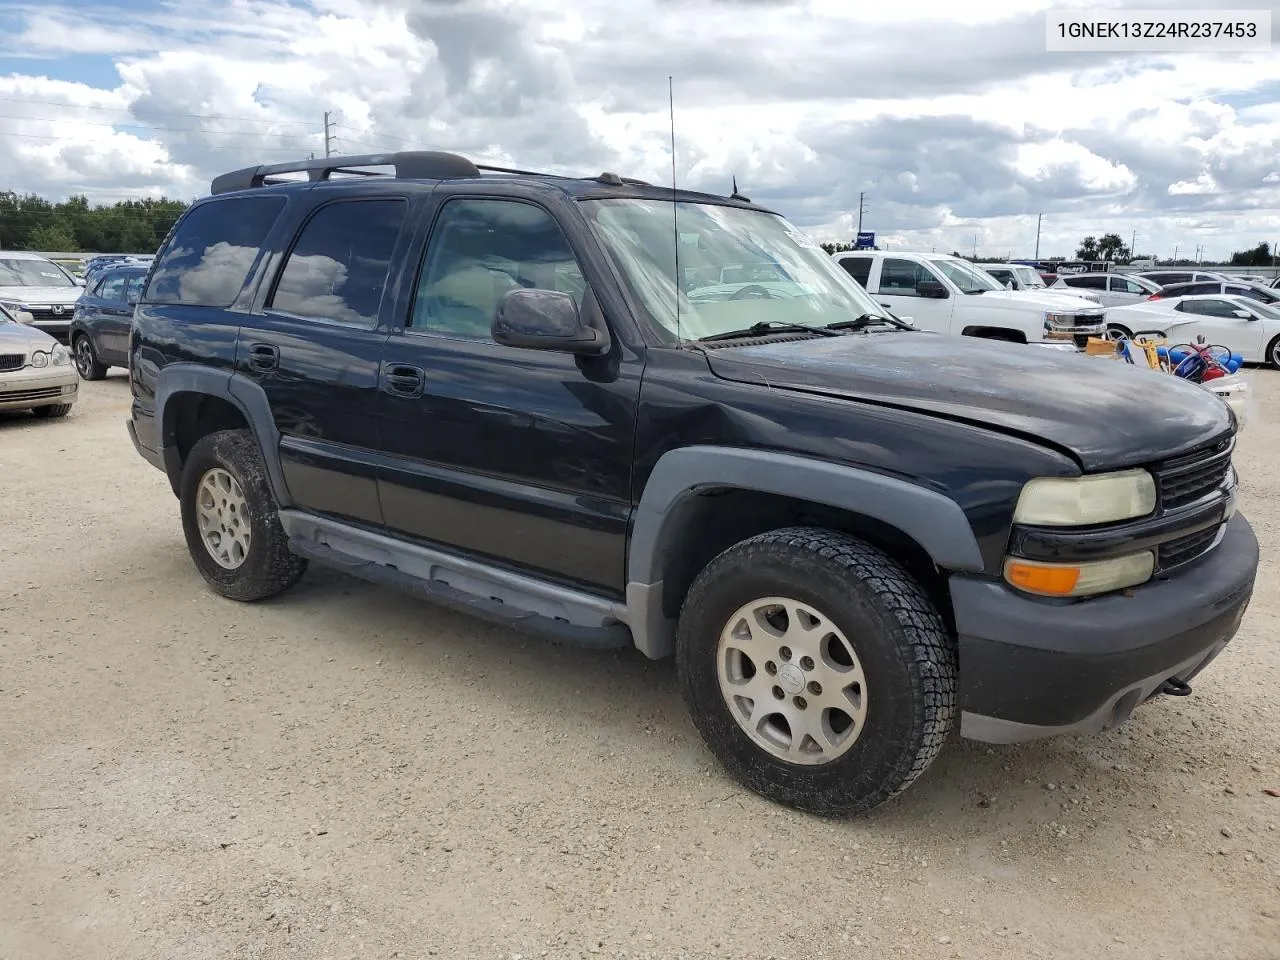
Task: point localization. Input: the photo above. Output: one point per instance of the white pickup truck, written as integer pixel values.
(945, 294)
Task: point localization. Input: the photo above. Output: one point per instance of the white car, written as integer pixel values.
(36, 372)
(944, 294)
(1110, 289)
(1244, 326)
(32, 284)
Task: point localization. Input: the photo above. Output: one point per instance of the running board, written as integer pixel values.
(460, 583)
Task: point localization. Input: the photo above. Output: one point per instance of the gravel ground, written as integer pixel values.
(346, 772)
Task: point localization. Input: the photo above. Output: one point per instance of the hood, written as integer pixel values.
(20, 338)
(1040, 299)
(1105, 414)
(41, 295)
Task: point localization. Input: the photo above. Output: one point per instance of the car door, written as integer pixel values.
(523, 456)
(114, 315)
(1122, 291)
(96, 312)
(314, 344)
(897, 286)
(1095, 284)
(1220, 322)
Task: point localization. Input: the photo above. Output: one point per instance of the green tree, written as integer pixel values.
(1259, 256)
(1111, 247)
(1088, 249)
(53, 236)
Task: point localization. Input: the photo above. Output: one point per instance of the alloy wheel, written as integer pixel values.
(223, 516)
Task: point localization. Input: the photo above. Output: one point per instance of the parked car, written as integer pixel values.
(33, 284)
(35, 370)
(1166, 276)
(1246, 326)
(1014, 276)
(945, 294)
(99, 332)
(489, 389)
(1254, 291)
(1111, 289)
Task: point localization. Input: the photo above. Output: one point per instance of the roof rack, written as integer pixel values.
(408, 164)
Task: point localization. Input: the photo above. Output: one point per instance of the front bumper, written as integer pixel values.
(42, 387)
(1032, 668)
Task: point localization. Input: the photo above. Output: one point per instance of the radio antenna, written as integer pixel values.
(675, 207)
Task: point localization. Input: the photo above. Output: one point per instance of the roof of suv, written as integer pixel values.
(432, 167)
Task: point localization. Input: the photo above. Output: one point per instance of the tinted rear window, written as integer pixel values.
(209, 256)
(857, 267)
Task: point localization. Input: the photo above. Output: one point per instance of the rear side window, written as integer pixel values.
(857, 267)
(1086, 282)
(337, 269)
(210, 253)
(112, 288)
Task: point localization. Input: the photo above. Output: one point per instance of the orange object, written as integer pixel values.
(1049, 579)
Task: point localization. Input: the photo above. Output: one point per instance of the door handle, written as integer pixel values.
(404, 380)
(264, 356)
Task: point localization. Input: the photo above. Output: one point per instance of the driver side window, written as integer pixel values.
(480, 250)
(901, 278)
(1210, 308)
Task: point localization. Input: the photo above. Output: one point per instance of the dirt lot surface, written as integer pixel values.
(346, 772)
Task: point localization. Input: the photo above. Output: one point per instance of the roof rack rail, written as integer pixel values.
(408, 164)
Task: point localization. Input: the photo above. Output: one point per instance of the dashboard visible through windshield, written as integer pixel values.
(736, 267)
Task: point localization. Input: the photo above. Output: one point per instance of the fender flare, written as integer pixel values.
(932, 519)
(238, 390)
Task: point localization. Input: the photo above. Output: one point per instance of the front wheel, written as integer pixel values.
(817, 670)
(87, 364)
(230, 520)
(52, 411)
(1117, 332)
(1273, 354)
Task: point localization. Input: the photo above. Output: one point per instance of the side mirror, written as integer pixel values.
(79, 281)
(932, 290)
(1008, 285)
(1244, 314)
(22, 316)
(545, 320)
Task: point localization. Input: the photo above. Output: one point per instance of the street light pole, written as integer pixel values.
(1039, 218)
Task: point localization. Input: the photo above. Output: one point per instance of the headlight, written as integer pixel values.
(1080, 501)
(1057, 320)
(13, 306)
(60, 356)
(1079, 579)
(39, 359)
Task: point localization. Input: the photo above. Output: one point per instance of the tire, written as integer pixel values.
(224, 474)
(1273, 354)
(1116, 331)
(86, 360)
(902, 657)
(52, 412)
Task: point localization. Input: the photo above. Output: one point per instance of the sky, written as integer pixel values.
(951, 118)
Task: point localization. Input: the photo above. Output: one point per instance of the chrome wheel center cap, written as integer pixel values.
(790, 678)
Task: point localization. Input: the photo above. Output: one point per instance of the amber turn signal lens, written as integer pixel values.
(1048, 579)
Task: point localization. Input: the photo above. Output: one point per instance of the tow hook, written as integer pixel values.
(1173, 687)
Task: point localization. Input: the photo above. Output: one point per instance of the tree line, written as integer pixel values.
(29, 222)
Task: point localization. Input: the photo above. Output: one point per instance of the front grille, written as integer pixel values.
(16, 396)
(46, 314)
(1187, 479)
(12, 361)
(1184, 549)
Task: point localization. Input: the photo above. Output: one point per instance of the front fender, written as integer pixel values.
(931, 519)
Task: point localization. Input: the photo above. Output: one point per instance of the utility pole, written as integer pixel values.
(1039, 217)
(1175, 253)
(975, 246)
(1133, 240)
(861, 199)
(328, 137)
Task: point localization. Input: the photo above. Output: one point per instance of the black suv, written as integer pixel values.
(547, 401)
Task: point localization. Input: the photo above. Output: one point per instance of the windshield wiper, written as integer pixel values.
(867, 320)
(769, 326)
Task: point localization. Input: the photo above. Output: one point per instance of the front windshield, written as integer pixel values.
(1030, 279)
(32, 273)
(738, 267)
(968, 279)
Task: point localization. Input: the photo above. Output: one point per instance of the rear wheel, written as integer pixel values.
(817, 670)
(87, 364)
(1116, 331)
(1273, 353)
(53, 411)
(230, 520)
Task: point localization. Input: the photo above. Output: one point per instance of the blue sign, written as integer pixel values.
(865, 241)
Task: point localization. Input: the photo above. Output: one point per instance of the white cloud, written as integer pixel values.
(951, 117)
